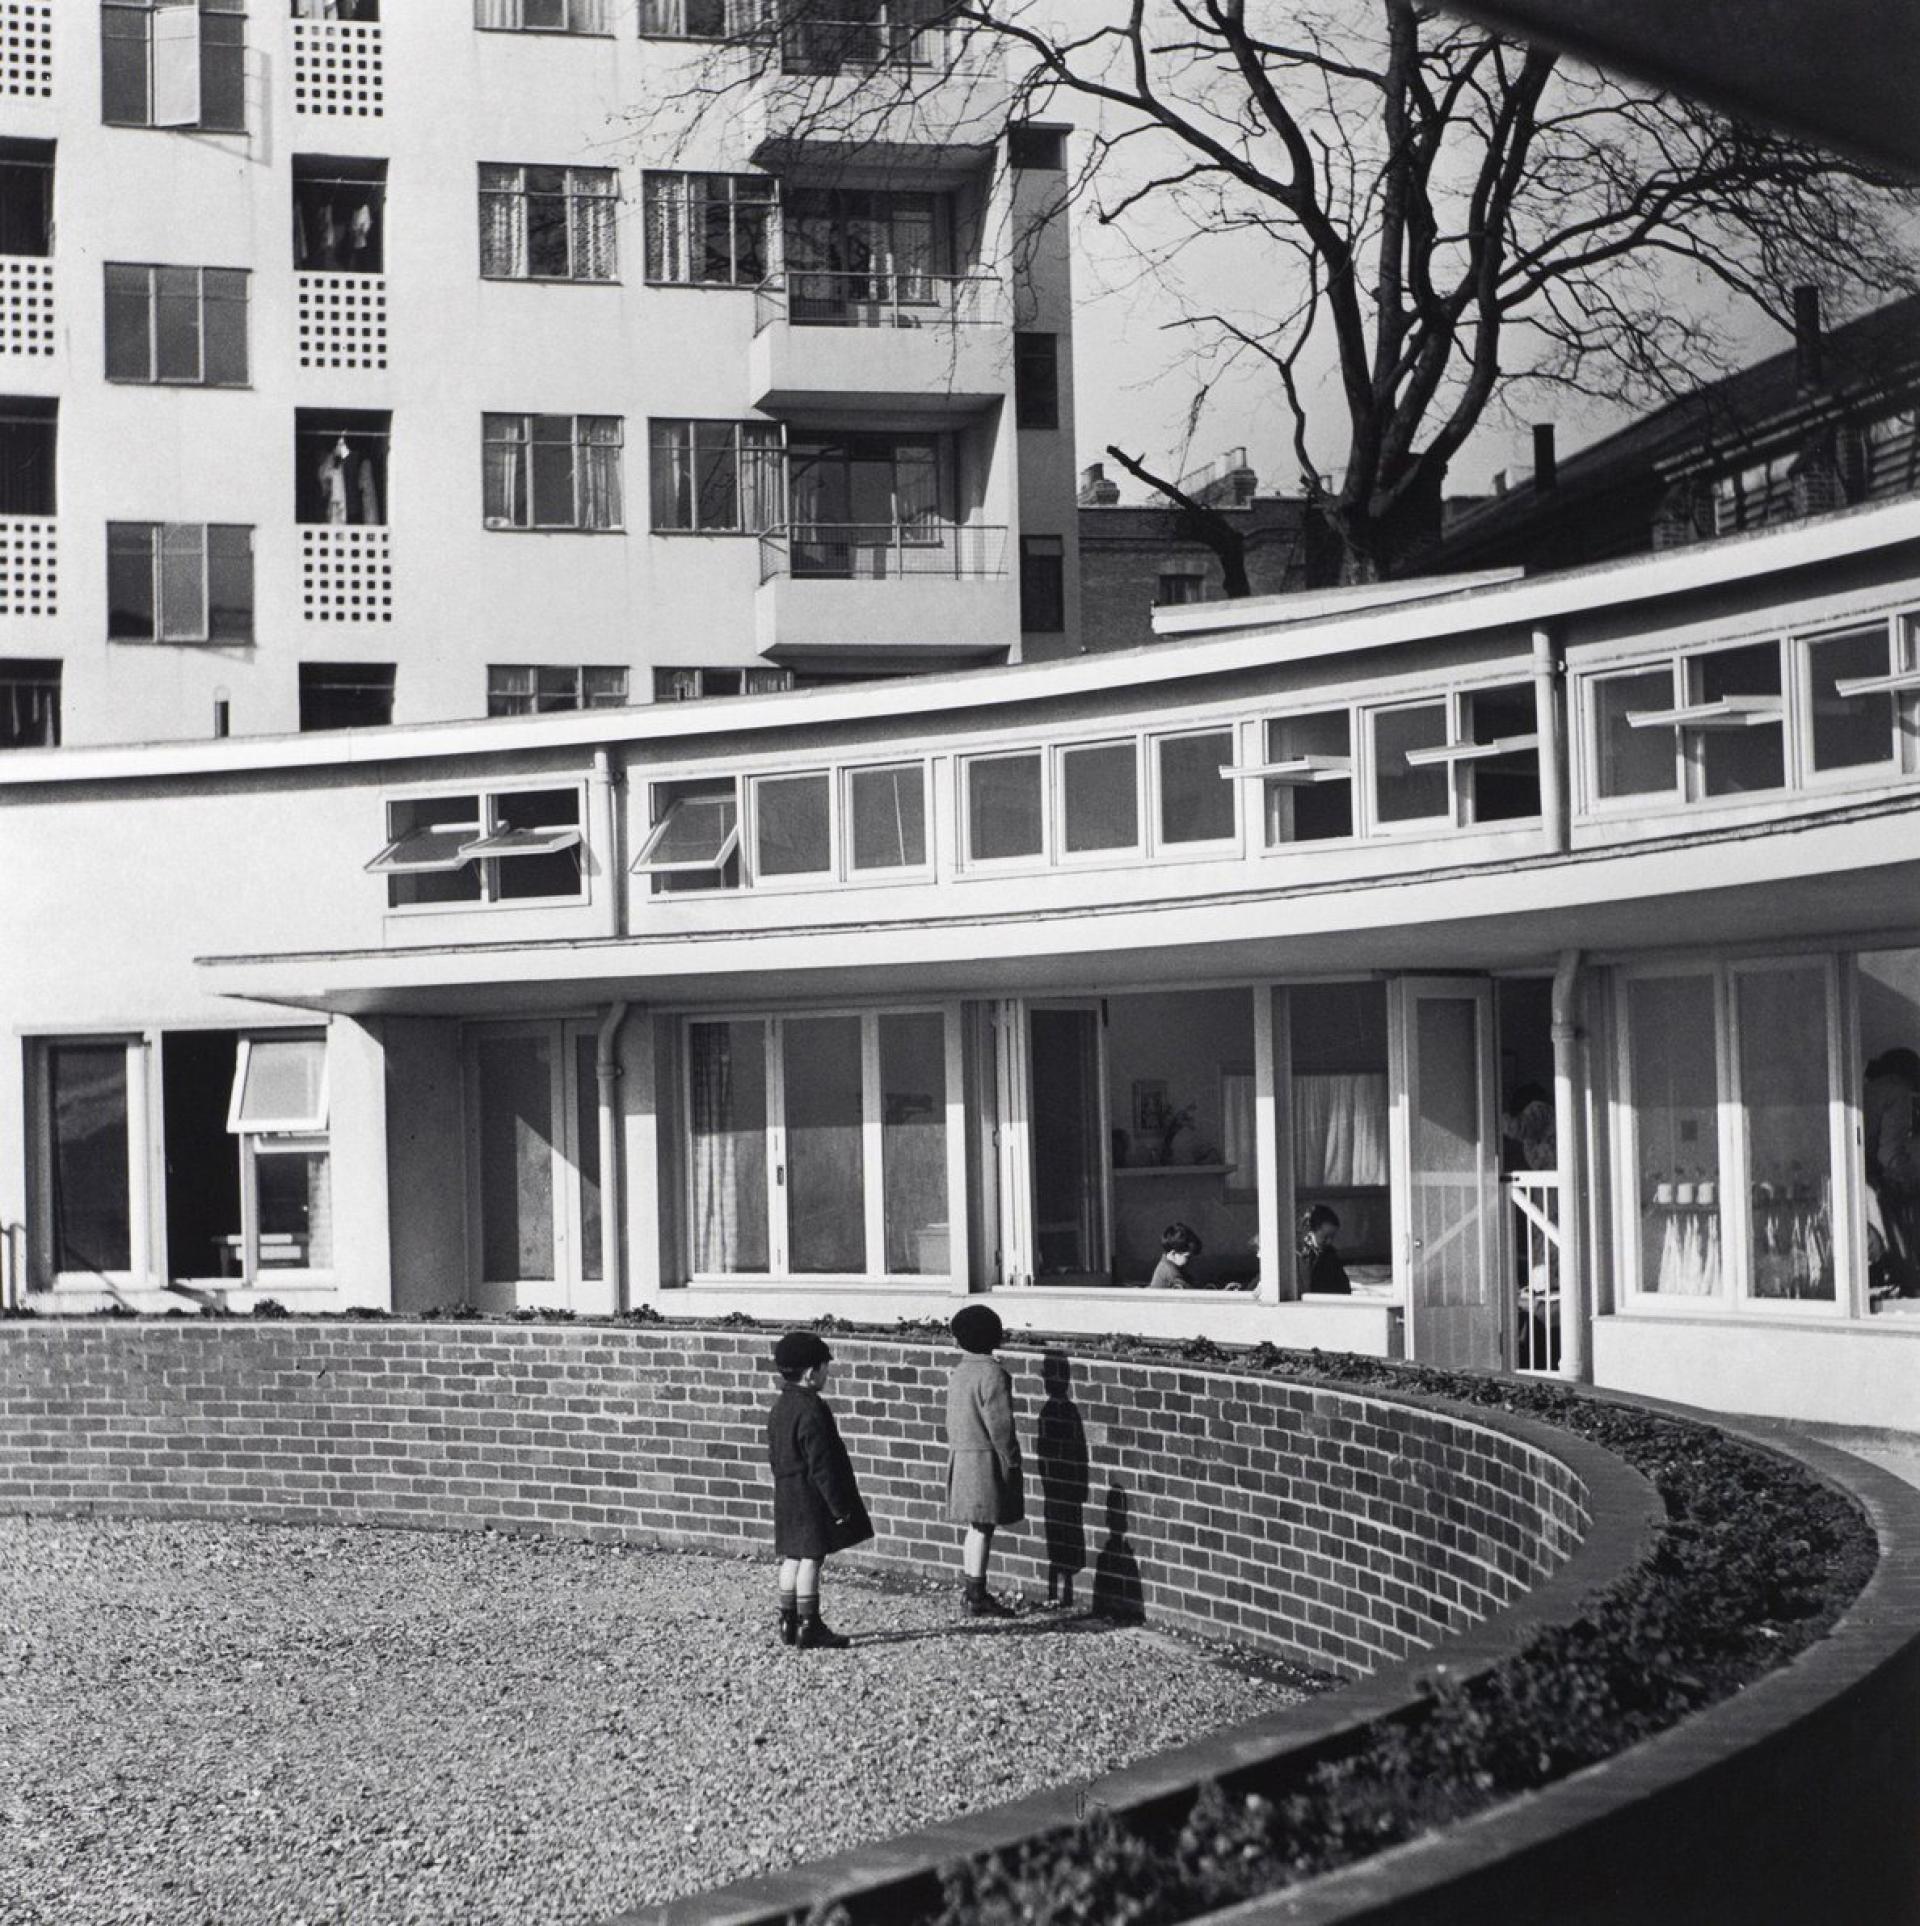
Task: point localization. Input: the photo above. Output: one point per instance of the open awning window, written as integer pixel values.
(525, 842)
(279, 1084)
(698, 829)
(430, 835)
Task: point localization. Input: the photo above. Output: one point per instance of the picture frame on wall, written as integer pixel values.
(1151, 1108)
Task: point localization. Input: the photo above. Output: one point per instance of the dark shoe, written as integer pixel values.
(789, 1626)
(816, 1635)
(978, 1602)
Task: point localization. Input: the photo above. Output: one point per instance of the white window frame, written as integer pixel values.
(532, 695)
(277, 1136)
(580, 200)
(1900, 681)
(309, 1123)
(488, 847)
(645, 864)
(1055, 797)
(830, 871)
(1158, 844)
(1305, 772)
(1589, 707)
(861, 876)
(873, 1168)
(580, 452)
(963, 817)
(509, 16)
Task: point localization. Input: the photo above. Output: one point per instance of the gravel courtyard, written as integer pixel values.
(257, 1725)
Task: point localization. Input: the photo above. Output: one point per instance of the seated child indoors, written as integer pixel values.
(985, 1485)
(1321, 1268)
(816, 1502)
(1179, 1246)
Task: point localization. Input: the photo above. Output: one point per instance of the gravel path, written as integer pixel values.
(260, 1725)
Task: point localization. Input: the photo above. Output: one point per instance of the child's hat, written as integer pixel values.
(976, 1328)
(800, 1351)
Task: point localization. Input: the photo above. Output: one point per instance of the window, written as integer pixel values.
(1893, 454)
(1852, 700)
(1006, 819)
(1754, 496)
(1036, 381)
(185, 324)
(88, 1165)
(855, 256)
(174, 63)
(346, 695)
(29, 703)
(339, 214)
(694, 843)
(792, 826)
(1040, 148)
(506, 846)
(367, 10)
(852, 1110)
(858, 502)
(26, 197)
(1631, 760)
(1176, 588)
(542, 16)
(531, 689)
(553, 471)
(548, 223)
(179, 582)
(1043, 584)
(279, 1113)
(1309, 778)
(718, 477)
(1406, 791)
(887, 812)
(690, 19)
(690, 685)
(710, 230)
(1736, 729)
(1196, 799)
(1099, 798)
(29, 437)
(340, 471)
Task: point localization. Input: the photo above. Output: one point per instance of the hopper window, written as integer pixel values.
(514, 846)
(695, 839)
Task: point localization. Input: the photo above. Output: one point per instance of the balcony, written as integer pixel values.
(885, 595)
(942, 339)
(887, 87)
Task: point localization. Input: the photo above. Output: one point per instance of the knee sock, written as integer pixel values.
(787, 1601)
(808, 1604)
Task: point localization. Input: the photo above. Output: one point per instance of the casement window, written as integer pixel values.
(174, 63)
(1006, 815)
(1707, 724)
(710, 230)
(279, 1115)
(692, 685)
(1175, 588)
(857, 500)
(1470, 757)
(832, 36)
(553, 471)
(1098, 785)
(542, 16)
(366, 10)
(29, 443)
(340, 466)
(1036, 382)
(1094, 800)
(26, 197)
(819, 1145)
(1043, 584)
(346, 695)
(717, 477)
(850, 251)
(177, 324)
(1308, 777)
(179, 582)
(1862, 699)
(500, 846)
(539, 688)
(1197, 800)
(694, 841)
(548, 223)
(693, 19)
(339, 215)
(29, 703)
(1730, 1134)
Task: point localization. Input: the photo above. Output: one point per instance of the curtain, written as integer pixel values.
(30, 713)
(1340, 1130)
(504, 480)
(502, 234)
(667, 253)
(672, 474)
(763, 475)
(720, 1236)
(590, 215)
(599, 458)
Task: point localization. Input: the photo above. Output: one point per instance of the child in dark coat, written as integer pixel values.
(985, 1487)
(816, 1501)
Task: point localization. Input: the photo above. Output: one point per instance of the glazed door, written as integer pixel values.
(1068, 1111)
(1448, 1178)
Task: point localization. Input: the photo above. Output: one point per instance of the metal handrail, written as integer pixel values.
(882, 551)
(821, 45)
(880, 298)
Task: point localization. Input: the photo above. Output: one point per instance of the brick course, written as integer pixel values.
(1341, 1529)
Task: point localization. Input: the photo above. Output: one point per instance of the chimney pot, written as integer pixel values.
(1546, 466)
(1807, 336)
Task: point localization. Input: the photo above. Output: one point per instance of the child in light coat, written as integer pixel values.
(985, 1486)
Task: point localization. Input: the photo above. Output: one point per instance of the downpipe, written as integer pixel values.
(606, 1071)
(1569, 1125)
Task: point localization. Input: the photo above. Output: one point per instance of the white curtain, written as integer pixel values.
(1340, 1130)
(599, 468)
(590, 215)
(504, 483)
(502, 232)
(716, 1193)
(668, 244)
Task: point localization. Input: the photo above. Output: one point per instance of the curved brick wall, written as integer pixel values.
(1344, 1530)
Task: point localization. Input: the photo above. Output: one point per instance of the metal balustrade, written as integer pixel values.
(882, 551)
(816, 44)
(836, 298)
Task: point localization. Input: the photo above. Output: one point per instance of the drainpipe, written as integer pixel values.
(1569, 1116)
(606, 1070)
(610, 834)
(1550, 720)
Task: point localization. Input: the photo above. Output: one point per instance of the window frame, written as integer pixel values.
(518, 198)
(1899, 681)
(36, 678)
(1057, 803)
(861, 875)
(160, 634)
(964, 765)
(535, 698)
(524, 472)
(755, 876)
(208, 51)
(596, 10)
(1036, 379)
(202, 301)
(1316, 769)
(744, 523)
(488, 828)
(667, 196)
(320, 687)
(1200, 848)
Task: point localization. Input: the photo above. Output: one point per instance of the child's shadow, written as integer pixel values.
(1061, 1455)
(1118, 1592)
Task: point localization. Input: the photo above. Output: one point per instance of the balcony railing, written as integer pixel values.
(818, 45)
(881, 551)
(837, 299)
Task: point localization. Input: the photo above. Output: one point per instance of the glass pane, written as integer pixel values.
(826, 1169)
(282, 1088)
(1100, 805)
(1003, 807)
(1673, 1064)
(792, 826)
(586, 1127)
(130, 579)
(553, 505)
(294, 1189)
(1735, 760)
(224, 320)
(1629, 761)
(516, 1158)
(1783, 1090)
(913, 1142)
(1503, 789)
(1069, 1166)
(1447, 1188)
(1196, 801)
(1404, 792)
(1316, 811)
(177, 323)
(692, 824)
(889, 808)
(92, 1218)
(129, 349)
(183, 582)
(727, 1145)
(1849, 732)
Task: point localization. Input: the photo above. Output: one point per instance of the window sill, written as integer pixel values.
(547, 528)
(156, 381)
(706, 287)
(550, 33)
(552, 280)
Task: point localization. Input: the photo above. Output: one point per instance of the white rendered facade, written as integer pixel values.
(520, 275)
(861, 1000)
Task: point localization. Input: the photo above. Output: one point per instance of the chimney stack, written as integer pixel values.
(1095, 489)
(1807, 344)
(1546, 466)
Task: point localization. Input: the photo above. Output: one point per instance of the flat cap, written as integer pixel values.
(977, 1328)
(800, 1351)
